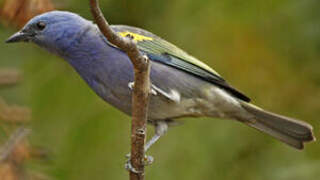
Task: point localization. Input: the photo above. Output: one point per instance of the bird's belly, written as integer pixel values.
(206, 100)
(213, 102)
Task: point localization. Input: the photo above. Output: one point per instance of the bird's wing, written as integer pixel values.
(164, 52)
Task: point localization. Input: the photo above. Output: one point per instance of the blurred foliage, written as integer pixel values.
(18, 12)
(15, 148)
(268, 49)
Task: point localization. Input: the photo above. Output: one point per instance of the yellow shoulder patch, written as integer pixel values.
(134, 36)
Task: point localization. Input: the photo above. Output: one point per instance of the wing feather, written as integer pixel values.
(164, 52)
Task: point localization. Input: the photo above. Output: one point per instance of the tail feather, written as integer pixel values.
(287, 130)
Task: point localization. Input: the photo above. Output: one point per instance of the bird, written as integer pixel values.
(181, 85)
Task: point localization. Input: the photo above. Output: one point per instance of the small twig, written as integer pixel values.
(140, 96)
(16, 137)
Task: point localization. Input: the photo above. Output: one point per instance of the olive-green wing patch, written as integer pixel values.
(164, 52)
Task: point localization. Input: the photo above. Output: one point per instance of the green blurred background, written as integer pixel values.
(268, 49)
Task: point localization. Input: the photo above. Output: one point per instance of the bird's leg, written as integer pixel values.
(161, 128)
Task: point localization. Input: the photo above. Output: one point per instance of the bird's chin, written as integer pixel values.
(51, 49)
(27, 40)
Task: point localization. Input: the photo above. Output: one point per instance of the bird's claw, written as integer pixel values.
(147, 160)
(128, 166)
(131, 85)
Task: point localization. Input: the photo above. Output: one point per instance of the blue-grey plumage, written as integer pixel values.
(182, 85)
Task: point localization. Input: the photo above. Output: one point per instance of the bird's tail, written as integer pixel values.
(285, 129)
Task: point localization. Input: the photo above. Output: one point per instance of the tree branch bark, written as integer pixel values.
(140, 96)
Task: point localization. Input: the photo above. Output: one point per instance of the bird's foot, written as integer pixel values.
(131, 85)
(161, 128)
(152, 91)
(128, 166)
(147, 160)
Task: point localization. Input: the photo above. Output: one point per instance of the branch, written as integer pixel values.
(140, 96)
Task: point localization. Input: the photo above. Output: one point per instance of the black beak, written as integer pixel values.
(19, 37)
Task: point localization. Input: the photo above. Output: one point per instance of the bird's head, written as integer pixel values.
(53, 30)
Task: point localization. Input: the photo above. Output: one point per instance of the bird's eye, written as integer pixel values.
(41, 25)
